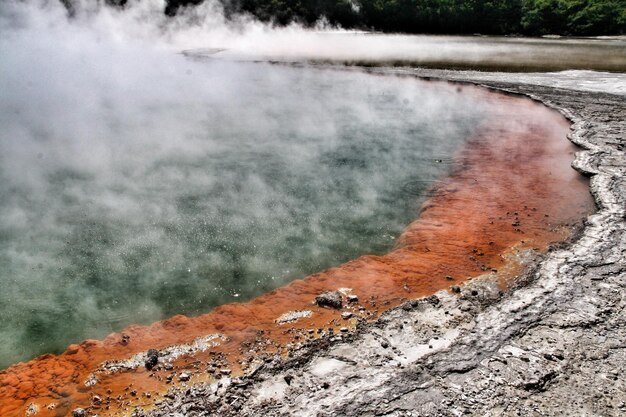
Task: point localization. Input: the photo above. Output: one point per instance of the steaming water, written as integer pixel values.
(136, 183)
(130, 197)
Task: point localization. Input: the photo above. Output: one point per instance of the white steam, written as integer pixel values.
(136, 183)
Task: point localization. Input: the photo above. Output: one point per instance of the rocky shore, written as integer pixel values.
(554, 344)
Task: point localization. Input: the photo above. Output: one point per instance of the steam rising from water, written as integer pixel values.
(136, 184)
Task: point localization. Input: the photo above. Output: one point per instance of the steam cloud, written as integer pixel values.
(136, 183)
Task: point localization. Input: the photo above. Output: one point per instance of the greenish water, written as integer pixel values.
(137, 182)
(226, 182)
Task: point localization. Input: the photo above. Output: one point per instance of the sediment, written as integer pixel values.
(551, 341)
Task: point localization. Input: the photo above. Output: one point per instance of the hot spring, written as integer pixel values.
(193, 184)
(140, 183)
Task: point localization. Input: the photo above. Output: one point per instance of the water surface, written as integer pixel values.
(130, 208)
(483, 53)
(511, 192)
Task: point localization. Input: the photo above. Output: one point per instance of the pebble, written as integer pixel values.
(152, 359)
(346, 315)
(329, 299)
(79, 412)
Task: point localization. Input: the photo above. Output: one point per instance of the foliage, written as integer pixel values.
(529, 17)
(574, 17)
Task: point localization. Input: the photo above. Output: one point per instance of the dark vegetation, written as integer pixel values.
(491, 17)
(496, 17)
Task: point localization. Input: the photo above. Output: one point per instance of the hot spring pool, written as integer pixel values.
(132, 203)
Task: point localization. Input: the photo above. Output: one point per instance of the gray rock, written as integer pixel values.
(79, 412)
(330, 299)
(152, 358)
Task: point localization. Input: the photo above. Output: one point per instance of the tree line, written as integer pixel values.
(490, 17)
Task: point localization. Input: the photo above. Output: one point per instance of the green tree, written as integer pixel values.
(574, 17)
(493, 17)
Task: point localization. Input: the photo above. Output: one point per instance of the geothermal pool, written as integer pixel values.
(485, 190)
(138, 184)
(133, 208)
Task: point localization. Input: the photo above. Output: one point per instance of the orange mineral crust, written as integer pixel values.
(511, 188)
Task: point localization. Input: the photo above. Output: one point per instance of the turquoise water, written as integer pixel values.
(128, 197)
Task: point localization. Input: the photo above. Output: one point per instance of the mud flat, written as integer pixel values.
(551, 340)
(554, 344)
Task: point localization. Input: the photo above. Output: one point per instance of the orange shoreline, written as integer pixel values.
(512, 188)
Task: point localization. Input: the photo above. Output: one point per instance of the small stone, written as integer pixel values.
(330, 299)
(455, 289)
(32, 409)
(292, 316)
(353, 298)
(410, 305)
(384, 344)
(433, 300)
(79, 412)
(225, 371)
(152, 359)
(346, 315)
(184, 376)
(344, 330)
(288, 379)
